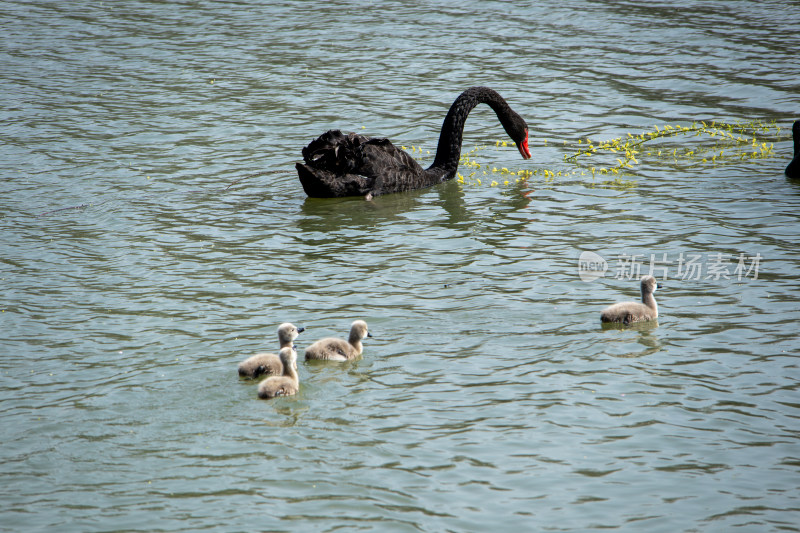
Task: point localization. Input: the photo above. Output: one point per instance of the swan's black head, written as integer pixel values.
(517, 129)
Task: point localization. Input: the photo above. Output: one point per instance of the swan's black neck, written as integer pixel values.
(448, 153)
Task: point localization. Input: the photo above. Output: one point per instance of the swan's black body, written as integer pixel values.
(793, 168)
(338, 164)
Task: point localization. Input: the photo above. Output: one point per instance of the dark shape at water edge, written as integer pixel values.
(338, 164)
(793, 168)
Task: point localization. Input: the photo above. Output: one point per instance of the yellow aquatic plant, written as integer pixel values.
(717, 143)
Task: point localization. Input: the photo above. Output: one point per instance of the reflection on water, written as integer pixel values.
(638, 344)
(154, 234)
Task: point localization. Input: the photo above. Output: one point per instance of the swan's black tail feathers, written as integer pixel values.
(329, 151)
(337, 152)
(330, 166)
(320, 183)
(338, 164)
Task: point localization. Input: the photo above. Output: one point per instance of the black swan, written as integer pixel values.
(793, 168)
(353, 165)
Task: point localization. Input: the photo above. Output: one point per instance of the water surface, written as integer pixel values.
(154, 234)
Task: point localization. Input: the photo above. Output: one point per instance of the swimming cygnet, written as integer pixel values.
(333, 349)
(629, 312)
(288, 383)
(793, 168)
(269, 363)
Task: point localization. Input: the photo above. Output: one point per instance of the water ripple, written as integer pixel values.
(154, 235)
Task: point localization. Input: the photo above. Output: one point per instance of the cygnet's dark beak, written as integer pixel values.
(658, 285)
(300, 330)
(369, 334)
(294, 347)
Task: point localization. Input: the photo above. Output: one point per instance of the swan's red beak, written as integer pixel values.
(523, 147)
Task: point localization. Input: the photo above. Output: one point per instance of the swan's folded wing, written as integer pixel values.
(392, 169)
